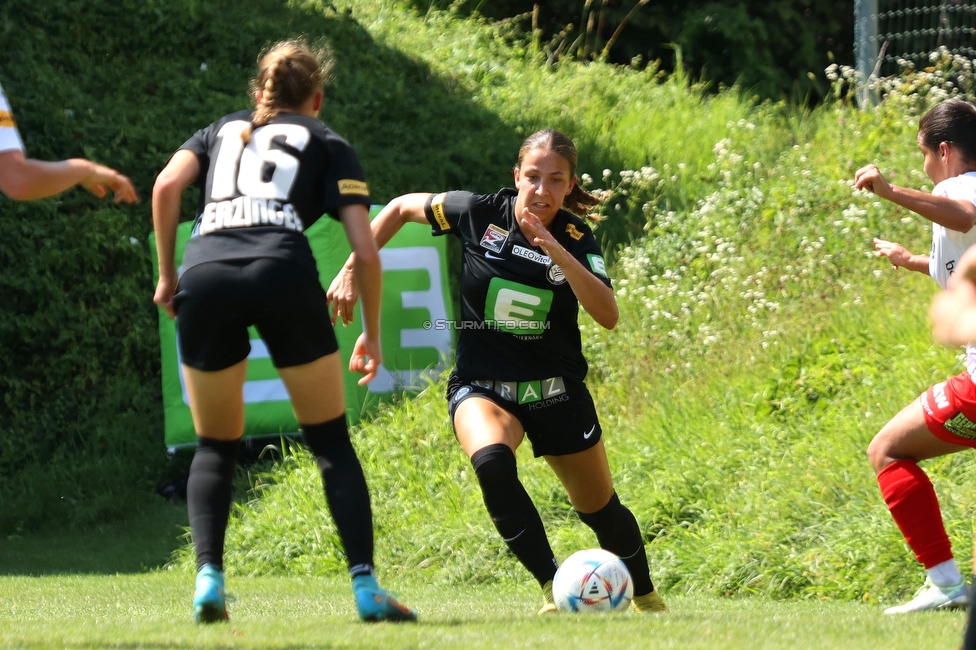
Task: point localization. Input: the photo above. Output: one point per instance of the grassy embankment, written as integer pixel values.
(760, 347)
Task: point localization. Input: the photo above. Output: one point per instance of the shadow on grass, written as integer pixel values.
(132, 101)
(137, 544)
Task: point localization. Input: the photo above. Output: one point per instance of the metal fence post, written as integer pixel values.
(866, 51)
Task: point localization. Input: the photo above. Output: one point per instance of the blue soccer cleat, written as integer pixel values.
(209, 602)
(376, 605)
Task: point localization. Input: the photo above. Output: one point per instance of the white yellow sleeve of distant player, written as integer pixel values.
(9, 137)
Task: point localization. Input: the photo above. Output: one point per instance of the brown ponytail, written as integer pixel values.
(578, 201)
(289, 73)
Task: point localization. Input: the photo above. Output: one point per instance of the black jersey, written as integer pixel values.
(256, 200)
(519, 314)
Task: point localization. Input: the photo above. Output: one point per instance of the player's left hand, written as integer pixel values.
(366, 358)
(897, 254)
(538, 234)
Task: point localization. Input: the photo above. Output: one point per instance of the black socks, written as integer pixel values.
(617, 531)
(512, 511)
(345, 490)
(208, 496)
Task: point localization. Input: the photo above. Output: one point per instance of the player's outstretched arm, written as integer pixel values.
(343, 293)
(899, 256)
(25, 179)
(953, 315)
(958, 215)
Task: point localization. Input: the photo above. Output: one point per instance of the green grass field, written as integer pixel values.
(760, 347)
(151, 610)
(110, 588)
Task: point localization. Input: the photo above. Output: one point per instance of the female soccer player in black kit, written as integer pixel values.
(528, 263)
(265, 176)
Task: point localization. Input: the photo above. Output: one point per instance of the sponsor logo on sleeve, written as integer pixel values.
(597, 264)
(351, 186)
(574, 233)
(7, 119)
(494, 238)
(437, 208)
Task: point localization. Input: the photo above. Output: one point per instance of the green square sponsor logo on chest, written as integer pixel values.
(516, 308)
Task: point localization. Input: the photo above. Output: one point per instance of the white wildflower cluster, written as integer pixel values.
(913, 90)
(717, 256)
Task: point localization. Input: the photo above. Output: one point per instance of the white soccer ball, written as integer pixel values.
(592, 580)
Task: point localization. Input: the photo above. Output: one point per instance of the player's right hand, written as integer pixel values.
(102, 179)
(165, 288)
(871, 179)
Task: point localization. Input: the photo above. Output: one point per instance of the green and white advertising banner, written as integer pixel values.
(415, 295)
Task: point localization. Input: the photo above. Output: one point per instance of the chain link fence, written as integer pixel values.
(889, 31)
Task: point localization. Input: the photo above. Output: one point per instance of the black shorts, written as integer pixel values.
(216, 302)
(557, 413)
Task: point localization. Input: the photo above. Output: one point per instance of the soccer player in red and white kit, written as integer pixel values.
(265, 176)
(943, 420)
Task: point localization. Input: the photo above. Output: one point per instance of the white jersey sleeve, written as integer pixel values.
(9, 136)
(949, 245)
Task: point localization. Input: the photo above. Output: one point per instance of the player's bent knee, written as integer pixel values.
(324, 437)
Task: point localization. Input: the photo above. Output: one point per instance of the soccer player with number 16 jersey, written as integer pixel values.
(265, 176)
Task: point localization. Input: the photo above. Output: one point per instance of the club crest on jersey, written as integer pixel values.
(555, 275)
(7, 119)
(574, 233)
(494, 238)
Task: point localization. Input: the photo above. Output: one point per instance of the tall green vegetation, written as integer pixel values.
(775, 48)
(428, 104)
(760, 347)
